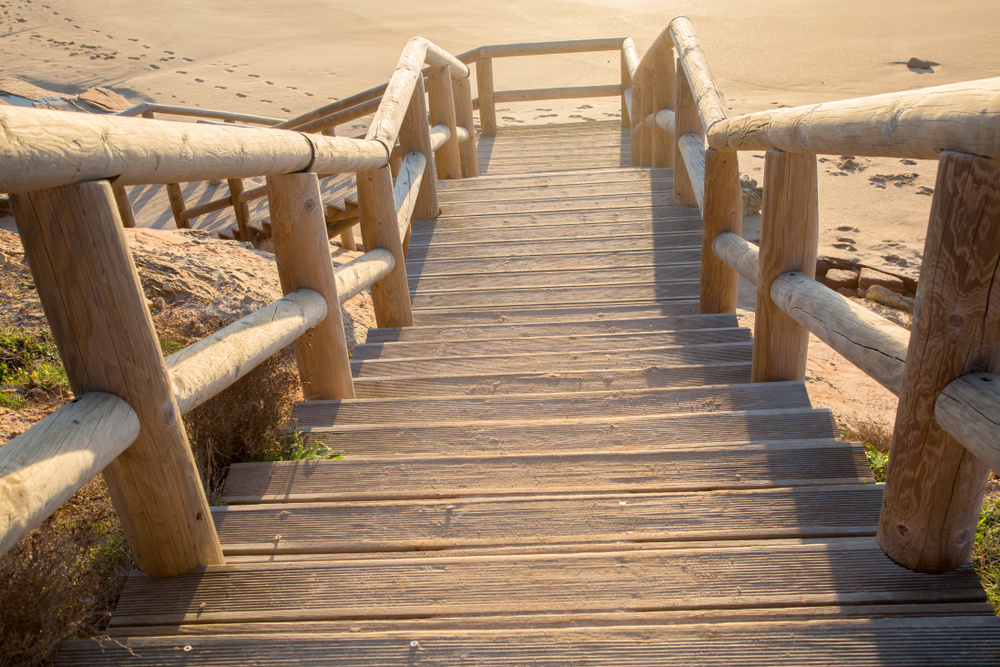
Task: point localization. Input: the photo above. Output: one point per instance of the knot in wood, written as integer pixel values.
(309, 205)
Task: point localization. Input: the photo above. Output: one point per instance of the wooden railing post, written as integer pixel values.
(686, 121)
(97, 311)
(789, 239)
(723, 212)
(645, 108)
(347, 236)
(124, 206)
(635, 122)
(464, 117)
(484, 88)
(626, 84)
(302, 252)
(664, 94)
(934, 487)
(414, 135)
(441, 98)
(380, 229)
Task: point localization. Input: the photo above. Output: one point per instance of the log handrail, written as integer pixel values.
(211, 114)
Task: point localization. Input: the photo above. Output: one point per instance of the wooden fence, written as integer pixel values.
(947, 432)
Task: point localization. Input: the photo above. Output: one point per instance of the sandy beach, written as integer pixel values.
(281, 59)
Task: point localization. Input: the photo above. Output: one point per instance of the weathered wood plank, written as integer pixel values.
(499, 298)
(842, 510)
(564, 314)
(860, 641)
(684, 232)
(543, 251)
(832, 571)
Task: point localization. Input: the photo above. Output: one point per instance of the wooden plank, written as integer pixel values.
(544, 250)
(815, 572)
(406, 412)
(514, 167)
(883, 642)
(565, 204)
(498, 298)
(528, 262)
(584, 327)
(591, 435)
(546, 279)
(561, 314)
(638, 188)
(556, 361)
(444, 234)
(541, 383)
(577, 343)
(590, 176)
(377, 526)
(660, 214)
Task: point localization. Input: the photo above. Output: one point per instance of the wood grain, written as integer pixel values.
(686, 121)
(969, 410)
(414, 136)
(934, 487)
(722, 212)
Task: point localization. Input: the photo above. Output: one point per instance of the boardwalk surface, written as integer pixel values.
(562, 463)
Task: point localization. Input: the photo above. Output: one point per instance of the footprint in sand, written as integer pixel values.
(180, 71)
(256, 76)
(846, 239)
(547, 115)
(286, 110)
(585, 106)
(924, 190)
(844, 246)
(230, 70)
(240, 95)
(908, 163)
(221, 87)
(200, 80)
(267, 101)
(847, 228)
(131, 39)
(188, 60)
(169, 53)
(154, 66)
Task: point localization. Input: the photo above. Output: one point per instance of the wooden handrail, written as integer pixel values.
(563, 93)
(44, 466)
(542, 48)
(710, 101)
(916, 124)
(44, 149)
(969, 409)
(147, 107)
(630, 56)
(362, 272)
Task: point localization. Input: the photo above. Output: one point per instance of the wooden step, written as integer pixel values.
(490, 346)
(440, 233)
(543, 329)
(543, 251)
(522, 315)
(595, 434)
(550, 279)
(459, 264)
(550, 383)
(351, 528)
(859, 642)
(518, 205)
(554, 178)
(556, 362)
(560, 408)
(538, 192)
(777, 573)
(751, 466)
(555, 296)
(486, 219)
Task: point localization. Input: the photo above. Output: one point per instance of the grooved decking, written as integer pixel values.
(561, 463)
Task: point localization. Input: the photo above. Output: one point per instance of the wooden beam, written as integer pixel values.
(916, 124)
(550, 48)
(563, 93)
(789, 237)
(380, 229)
(969, 410)
(738, 254)
(466, 121)
(44, 466)
(686, 121)
(692, 149)
(934, 487)
(44, 149)
(95, 306)
(487, 103)
(709, 99)
(124, 205)
(645, 110)
(664, 118)
(441, 103)
(870, 342)
(388, 119)
(362, 272)
(334, 107)
(302, 252)
(629, 61)
(722, 211)
(203, 369)
(406, 189)
(664, 95)
(439, 134)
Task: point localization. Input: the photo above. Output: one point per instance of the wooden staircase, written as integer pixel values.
(562, 463)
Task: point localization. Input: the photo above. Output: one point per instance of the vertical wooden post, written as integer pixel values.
(723, 212)
(414, 135)
(95, 305)
(484, 87)
(686, 121)
(934, 487)
(240, 208)
(626, 84)
(124, 206)
(664, 94)
(789, 240)
(647, 107)
(635, 122)
(302, 252)
(347, 236)
(174, 195)
(379, 228)
(463, 114)
(441, 97)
